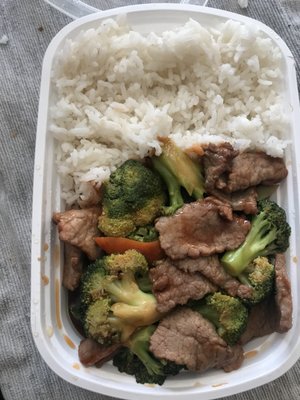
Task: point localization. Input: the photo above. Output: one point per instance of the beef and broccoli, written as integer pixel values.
(177, 261)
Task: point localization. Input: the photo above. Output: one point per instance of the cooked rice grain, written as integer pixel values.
(117, 91)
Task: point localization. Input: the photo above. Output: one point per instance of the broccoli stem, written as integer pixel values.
(198, 193)
(131, 304)
(139, 315)
(175, 196)
(258, 238)
(187, 172)
(126, 290)
(139, 345)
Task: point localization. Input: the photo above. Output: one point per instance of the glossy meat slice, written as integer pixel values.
(243, 200)
(172, 286)
(212, 269)
(217, 160)
(186, 338)
(91, 352)
(79, 227)
(202, 228)
(262, 320)
(73, 266)
(283, 295)
(254, 168)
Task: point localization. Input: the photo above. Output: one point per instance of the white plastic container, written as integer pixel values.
(57, 340)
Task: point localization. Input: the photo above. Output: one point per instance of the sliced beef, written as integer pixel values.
(92, 353)
(217, 161)
(283, 295)
(73, 266)
(186, 338)
(172, 286)
(262, 320)
(254, 168)
(212, 269)
(245, 200)
(78, 228)
(201, 228)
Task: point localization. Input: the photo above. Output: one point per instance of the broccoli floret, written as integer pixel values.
(259, 275)
(137, 360)
(132, 197)
(90, 286)
(131, 262)
(115, 226)
(113, 304)
(269, 234)
(178, 170)
(227, 313)
(101, 325)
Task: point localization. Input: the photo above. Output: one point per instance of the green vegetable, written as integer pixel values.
(112, 303)
(144, 234)
(174, 188)
(269, 234)
(103, 326)
(133, 197)
(137, 360)
(259, 275)
(178, 171)
(228, 314)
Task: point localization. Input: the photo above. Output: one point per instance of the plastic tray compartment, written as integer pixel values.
(57, 340)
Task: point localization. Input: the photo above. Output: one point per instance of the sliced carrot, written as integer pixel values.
(151, 250)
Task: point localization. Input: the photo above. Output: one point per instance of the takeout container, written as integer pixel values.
(57, 340)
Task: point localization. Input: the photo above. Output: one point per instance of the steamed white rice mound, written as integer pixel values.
(117, 92)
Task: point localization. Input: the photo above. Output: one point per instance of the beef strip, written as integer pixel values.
(254, 168)
(262, 320)
(91, 352)
(217, 161)
(283, 295)
(73, 266)
(201, 228)
(245, 200)
(275, 313)
(172, 286)
(212, 269)
(78, 228)
(186, 338)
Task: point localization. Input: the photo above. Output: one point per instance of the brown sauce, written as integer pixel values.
(250, 354)
(56, 255)
(46, 247)
(57, 303)
(69, 342)
(45, 280)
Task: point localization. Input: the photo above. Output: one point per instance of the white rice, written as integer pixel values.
(117, 91)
